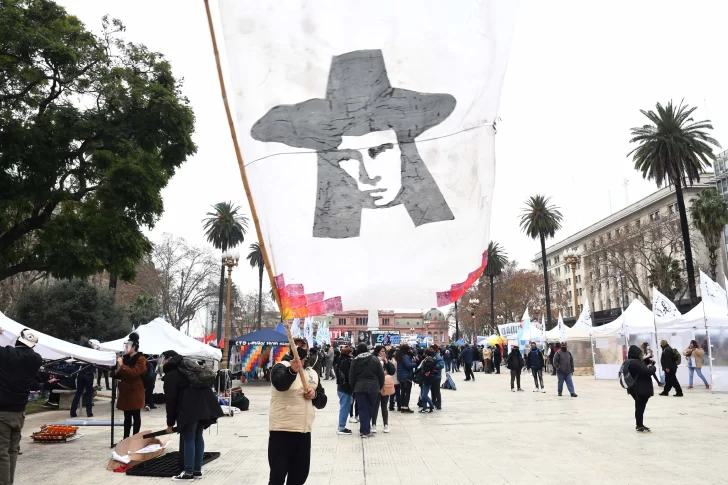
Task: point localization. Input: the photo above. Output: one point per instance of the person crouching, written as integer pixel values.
(291, 417)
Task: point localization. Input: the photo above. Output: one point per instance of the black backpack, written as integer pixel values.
(198, 375)
(626, 379)
(448, 354)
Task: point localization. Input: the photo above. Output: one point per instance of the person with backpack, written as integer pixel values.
(405, 375)
(564, 365)
(447, 358)
(344, 390)
(192, 407)
(291, 415)
(130, 371)
(515, 364)
(382, 399)
(695, 363)
(367, 379)
(534, 363)
(670, 360)
(428, 377)
(637, 378)
(437, 377)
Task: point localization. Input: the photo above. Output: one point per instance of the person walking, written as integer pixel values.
(515, 364)
(84, 384)
(487, 360)
(367, 379)
(389, 370)
(695, 363)
(405, 375)
(534, 363)
(130, 371)
(428, 371)
(437, 377)
(648, 358)
(467, 356)
(396, 397)
(191, 410)
(150, 381)
(456, 358)
(564, 365)
(447, 358)
(642, 389)
(497, 358)
(19, 365)
(329, 362)
(669, 362)
(344, 390)
(291, 416)
(552, 353)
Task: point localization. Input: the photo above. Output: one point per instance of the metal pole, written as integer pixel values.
(226, 340)
(573, 282)
(113, 402)
(457, 326)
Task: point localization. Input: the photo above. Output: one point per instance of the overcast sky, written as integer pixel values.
(578, 75)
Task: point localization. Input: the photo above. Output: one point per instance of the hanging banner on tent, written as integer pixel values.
(662, 307)
(585, 317)
(562, 329)
(509, 330)
(367, 133)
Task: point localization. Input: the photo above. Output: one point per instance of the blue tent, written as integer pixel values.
(267, 336)
(280, 328)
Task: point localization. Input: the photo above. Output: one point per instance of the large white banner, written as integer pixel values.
(368, 139)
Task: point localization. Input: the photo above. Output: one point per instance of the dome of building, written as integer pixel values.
(434, 315)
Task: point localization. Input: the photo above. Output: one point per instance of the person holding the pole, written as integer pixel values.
(291, 417)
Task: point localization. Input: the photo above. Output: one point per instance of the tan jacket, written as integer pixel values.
(289, 411)
(697, 356)
(486, 353)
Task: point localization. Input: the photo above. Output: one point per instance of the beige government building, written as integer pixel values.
(607, 297)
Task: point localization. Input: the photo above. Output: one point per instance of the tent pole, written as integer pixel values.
(113, 402)
(241, 165)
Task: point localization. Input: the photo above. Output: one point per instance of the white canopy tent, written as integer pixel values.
(51, 348)
(637, 318)
(159, 336)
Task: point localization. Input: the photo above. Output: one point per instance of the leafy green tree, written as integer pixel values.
(225, 228)
(674, 149)
(666, 275)
(540, 221)
(70, 309)
(91, 130)
(710, 216)
(497, 261)
(255, 257)
(143, 310)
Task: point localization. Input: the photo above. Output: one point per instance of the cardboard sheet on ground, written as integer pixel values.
(367, 131)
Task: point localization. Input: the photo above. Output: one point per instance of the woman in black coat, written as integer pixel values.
(642, 390)
(497, 358)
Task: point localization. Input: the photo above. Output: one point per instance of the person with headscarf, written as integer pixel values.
(642, 389)
(130, 371)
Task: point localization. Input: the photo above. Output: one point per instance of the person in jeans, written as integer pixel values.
(564, 365)
(18, 369)
(192, 410)
(642, 390)
(515, 364)
(344, 390)
(405, 374)
(396, 397)
(695, 363)
(437, 377)
(669, 365)
(534, 363)
(367, 380)
(448, 356)
(381, 353)
(428, 369)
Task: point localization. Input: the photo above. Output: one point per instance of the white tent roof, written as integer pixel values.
(159, 336)
(580, 330)
(636, 318)
(696, 318)
(51, 348)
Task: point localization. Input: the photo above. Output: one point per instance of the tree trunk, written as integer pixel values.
(492, 305)
(686, 242)
(260, 296)
(713, 258)
(113, 280)
(219, 302)
(546, 281)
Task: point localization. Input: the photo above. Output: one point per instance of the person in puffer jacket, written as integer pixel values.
(405, 374)
(367, 379)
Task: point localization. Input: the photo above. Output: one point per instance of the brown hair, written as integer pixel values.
(300, 341)
(346, 351)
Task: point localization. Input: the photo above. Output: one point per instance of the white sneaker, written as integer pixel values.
(535, 390)
(543, 390)
(513, 390)
(353, 419)
(386, 428)
(374, 428)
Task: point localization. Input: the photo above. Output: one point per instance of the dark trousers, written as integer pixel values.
(436, 396)
(406, 391)
(84, 384)
(105, 372)
(537, 377)
(670, 382)
(132, 417)
(289, 454)
(496, 366)
(11, 424)
(380, 402)
(516, 376)
(367, 401)
(396, 397)
(640, 403)
(469, 372)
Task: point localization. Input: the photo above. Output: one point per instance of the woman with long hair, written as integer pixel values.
(130, 370)
(381, 353)
(405, 374)
(695, 363)
(649, 359)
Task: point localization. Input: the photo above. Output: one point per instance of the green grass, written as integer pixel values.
(37, 407)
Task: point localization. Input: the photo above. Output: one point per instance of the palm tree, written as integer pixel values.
(143, 310)
(225, 229)
(541, 220)
(255, 257)
(497, 260)
(676, 149)
(710, 215)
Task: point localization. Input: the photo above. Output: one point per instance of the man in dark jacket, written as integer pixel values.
(467, 356)
(344, 390)
(367, 379)
(669, 365)
(534, 363)
(564, 364)
(192, 409)
(497, 358)
(515, 363)
(84, 384)
(642, 390)
(18, 368)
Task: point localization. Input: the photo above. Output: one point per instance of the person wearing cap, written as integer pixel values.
(130, 372)
(18, 368)
(564, 365)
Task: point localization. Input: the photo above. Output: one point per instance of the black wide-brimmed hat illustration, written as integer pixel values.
(359, 100)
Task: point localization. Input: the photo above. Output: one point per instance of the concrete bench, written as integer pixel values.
(65, 399)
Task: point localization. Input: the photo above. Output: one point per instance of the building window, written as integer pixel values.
(568, 281)
(609, 236)
(578, 278)
(385, 321)
(609, 303)
(581, 308)
(637, 223)
(672, 208)
(655, 216)
(556, 260)
(568, 293)
(580, 292)
(342, 321)
(362, 321)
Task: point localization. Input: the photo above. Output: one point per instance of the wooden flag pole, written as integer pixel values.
(241, 166)
(294, 351)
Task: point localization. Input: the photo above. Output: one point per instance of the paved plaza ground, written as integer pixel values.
(484, 435)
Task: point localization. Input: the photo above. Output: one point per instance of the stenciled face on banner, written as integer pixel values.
(364, 134)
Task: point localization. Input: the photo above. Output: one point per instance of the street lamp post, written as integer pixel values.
(572, 257)
(457, 326)
(230, 260)
(473, 303)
